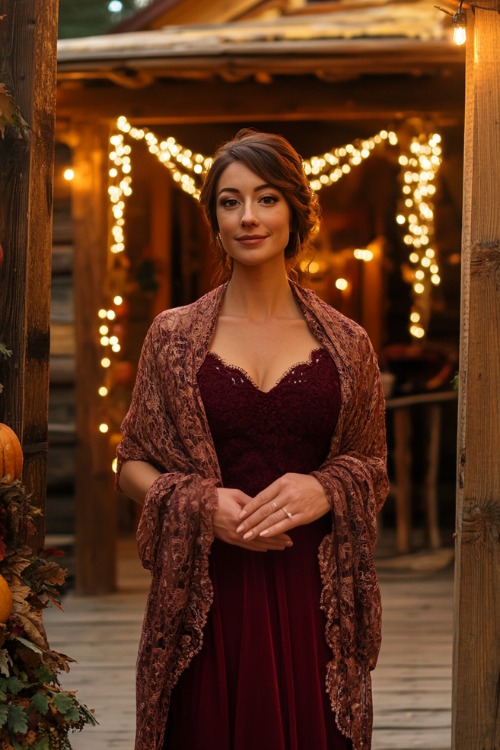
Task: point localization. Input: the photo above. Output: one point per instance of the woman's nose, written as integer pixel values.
(248, 216)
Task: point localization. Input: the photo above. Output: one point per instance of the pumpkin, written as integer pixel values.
(6, 600)
(11, 454)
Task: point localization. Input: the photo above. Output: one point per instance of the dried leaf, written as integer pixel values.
(9, 112)
(5, 662)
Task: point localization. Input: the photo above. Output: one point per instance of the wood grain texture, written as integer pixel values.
(94, 495)
(476, 707)
(28, 37)
(285, 98)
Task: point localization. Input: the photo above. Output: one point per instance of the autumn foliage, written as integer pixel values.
(35, 712)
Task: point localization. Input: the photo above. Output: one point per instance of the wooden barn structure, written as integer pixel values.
(84, 132)
(324, 75)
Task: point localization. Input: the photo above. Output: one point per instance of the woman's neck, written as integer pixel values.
(257, 295)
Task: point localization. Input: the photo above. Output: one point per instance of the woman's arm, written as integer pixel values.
(136, 478)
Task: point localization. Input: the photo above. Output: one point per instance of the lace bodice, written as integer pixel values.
(261, 435)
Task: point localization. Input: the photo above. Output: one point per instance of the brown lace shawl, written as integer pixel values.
(166, 426)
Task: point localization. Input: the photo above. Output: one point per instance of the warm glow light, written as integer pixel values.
(110, 314)
(103, 427)
(313, 266)
(118, 300)
(342, 284)
(363, 254)
(416, 214)
(114, 465)
(103, 330)
(459, 21)
(105, 362)
(417, 331)
(69, 174)
(102, 313)
(103, 391)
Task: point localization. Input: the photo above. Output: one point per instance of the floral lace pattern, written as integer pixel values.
(299, 411)
(166, 425)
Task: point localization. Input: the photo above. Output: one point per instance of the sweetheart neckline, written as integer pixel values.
(307, 362)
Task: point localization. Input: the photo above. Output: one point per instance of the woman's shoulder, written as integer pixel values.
(183, 318)
(329, 316)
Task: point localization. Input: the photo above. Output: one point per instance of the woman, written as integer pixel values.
(256, 440)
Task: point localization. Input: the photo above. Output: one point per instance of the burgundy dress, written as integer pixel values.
(259, 680)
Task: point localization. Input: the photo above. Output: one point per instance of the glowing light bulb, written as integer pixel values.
(342, 284)
(103, 427)
(103, 391)
(69, 174)
(363, 254)
(459, 22)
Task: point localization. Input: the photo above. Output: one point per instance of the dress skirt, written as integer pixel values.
(258, 682)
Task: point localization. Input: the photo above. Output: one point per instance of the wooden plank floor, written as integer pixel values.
(412, 682)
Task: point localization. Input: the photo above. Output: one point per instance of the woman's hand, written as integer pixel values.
(226, 519)
(292, 500)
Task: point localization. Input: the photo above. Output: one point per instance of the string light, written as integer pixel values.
(363, 254)
(416, 218)
(459, 21)
(187, 168)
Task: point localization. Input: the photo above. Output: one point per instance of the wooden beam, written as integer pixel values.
(94, 495)
(476, 705)
(28, 38)
(301, 98)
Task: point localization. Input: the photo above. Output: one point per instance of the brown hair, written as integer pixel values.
(273, 158)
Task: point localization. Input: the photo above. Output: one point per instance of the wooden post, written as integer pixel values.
(94, 494)
(476, 705)
(28, 39)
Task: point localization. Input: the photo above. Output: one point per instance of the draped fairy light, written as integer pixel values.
(416, 218)
(331, 167)
(415, 212)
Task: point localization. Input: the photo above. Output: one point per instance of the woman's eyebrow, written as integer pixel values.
(266, 186)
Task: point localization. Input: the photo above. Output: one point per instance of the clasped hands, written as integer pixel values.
(261, 523)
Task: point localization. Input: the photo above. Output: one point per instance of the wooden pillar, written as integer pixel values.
(476, 705)
(28, 39)
(161, 235)
(94, 494)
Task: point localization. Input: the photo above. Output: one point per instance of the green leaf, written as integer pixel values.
(45, 675)
(17, 720)
(14, 685)
(39, 702)
(4, 352)
(64, 702)
(4, 712)
(43, 744)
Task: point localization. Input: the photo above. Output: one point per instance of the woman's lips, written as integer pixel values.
(251, 239)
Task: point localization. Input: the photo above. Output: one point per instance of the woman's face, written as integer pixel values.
(253, 217)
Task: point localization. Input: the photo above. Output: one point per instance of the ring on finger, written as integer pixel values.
(287, 512)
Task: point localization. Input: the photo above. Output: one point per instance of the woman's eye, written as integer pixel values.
(228, 202)
(268, 200)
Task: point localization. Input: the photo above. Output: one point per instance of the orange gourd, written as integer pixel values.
(11, 454)
(6, 600)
